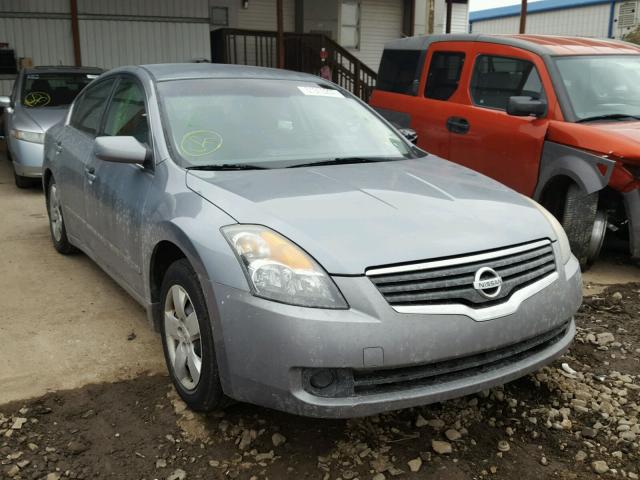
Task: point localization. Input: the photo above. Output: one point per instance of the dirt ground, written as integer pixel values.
(81, 397)
(553, 424)
(88, 317)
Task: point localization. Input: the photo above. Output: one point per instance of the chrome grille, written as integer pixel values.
(450, 281)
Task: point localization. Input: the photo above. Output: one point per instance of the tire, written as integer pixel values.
(187, 341)
(22, 182)
(56, 221)
(578, 219)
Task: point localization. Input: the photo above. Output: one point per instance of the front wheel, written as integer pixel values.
(585, 224)
(56, 221)
(188, 339)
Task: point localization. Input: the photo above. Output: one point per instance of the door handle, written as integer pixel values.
(90, 173)
(458, 125)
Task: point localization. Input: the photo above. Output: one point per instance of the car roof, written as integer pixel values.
(62, 69)
(185, 71)
(540, 44)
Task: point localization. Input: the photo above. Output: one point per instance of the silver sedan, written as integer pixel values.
(40, 98)
(295, 251)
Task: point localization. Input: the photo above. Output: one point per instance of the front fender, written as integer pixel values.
(584, 168)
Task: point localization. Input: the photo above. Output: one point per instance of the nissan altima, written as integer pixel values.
(295, 251)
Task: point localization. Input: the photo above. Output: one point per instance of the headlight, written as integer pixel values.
(33, 137)
(563, 241)
(279, 270)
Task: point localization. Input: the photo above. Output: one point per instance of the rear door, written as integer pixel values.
(504, 147)
(116, 192)
(73, 149)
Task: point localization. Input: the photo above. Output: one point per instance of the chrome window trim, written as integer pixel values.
(482, 314)
(457, 260)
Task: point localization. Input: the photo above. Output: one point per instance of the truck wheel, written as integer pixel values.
(584, 224)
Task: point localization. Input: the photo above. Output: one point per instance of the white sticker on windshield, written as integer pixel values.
(321, 92)
(91, 76)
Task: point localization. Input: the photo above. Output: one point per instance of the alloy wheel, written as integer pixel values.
(55, 213)
(182, 336)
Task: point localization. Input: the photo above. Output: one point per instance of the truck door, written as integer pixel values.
(482, 135)
(442, 95)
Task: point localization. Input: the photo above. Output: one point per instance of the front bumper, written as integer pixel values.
(264, 349)
(27, 157)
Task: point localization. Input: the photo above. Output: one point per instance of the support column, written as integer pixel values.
(280, 34)
(449, 13)
(75, 33)
(523, 16)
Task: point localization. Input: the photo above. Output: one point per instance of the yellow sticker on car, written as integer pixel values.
(199, 143)
(37, 99)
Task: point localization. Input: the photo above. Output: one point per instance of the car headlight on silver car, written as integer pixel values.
(277, 269)
(26, 136)
(563, 241)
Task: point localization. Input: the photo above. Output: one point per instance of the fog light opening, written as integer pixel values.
(322, 379)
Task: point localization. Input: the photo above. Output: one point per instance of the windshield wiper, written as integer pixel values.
(345, 160)
(227, 166)
(609, 116)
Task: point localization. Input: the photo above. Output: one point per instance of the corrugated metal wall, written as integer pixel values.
(380, 22)
(591, 21)
(261, 15)
(112, 33)
(111, 43)
(159, 8)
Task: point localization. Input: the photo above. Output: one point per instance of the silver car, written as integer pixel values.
(40, 98)
(295, 251)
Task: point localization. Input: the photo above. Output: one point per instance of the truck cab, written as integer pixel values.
(554, 118)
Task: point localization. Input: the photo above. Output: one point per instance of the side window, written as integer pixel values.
(127, 115)
(444, 75)
(399, 71)
(88, 108)
(495, 79)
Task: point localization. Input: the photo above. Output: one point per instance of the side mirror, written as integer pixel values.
(5, 102)
(120, 150)
(410, 134)
(526, 106)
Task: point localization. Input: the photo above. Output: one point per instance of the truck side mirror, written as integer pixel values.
(526, 106)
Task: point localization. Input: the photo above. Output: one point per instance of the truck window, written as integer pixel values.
(444, 75)
(400, 71)
(495, 79)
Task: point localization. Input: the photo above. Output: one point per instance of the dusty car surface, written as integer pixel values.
(295, 251)
(40, 98)
(555, 118)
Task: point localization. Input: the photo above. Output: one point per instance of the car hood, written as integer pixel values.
(617, 139)
(351, 217)
(38, 118)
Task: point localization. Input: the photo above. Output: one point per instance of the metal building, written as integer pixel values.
(585, 18)
(110, 33)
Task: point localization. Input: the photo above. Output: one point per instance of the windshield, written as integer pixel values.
(271, 123)
(603, 85)
(52, 89)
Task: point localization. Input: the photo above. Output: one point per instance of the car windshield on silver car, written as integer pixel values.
(272, 124)
(53, 89)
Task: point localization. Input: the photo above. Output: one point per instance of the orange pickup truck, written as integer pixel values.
(555, 118)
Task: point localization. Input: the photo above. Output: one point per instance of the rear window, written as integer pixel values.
(400, 71)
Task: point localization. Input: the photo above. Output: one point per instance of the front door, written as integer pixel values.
(483, 136)
(116, 192)
(74, 148)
